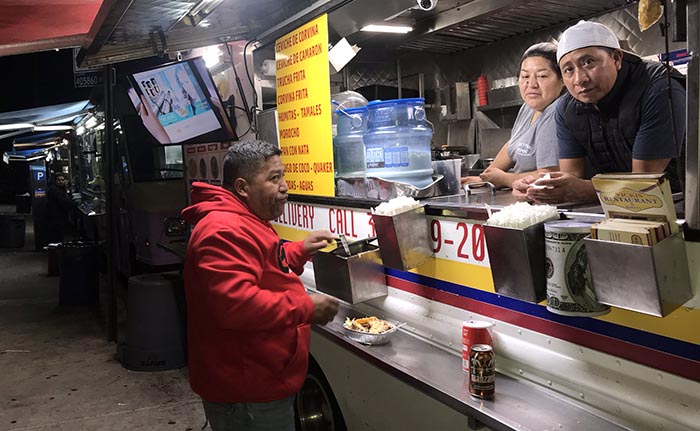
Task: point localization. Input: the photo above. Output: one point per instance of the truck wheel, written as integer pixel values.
(135, 266)
(316, 408)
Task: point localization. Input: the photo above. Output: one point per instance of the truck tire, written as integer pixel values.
(136, 267)
(316, 408)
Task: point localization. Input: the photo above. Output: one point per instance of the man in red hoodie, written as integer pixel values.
(248, 313)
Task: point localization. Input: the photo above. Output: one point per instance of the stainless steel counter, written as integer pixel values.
(474, 206)
(438, 373)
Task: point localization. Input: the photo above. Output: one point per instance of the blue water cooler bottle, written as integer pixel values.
(397, 142)
(348, 145)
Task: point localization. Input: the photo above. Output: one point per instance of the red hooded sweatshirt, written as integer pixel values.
(248, 315)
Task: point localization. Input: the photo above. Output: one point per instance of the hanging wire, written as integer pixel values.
(245, 108)
(680, 170)
(254, 108)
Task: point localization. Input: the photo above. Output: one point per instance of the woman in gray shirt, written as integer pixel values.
(532, 147)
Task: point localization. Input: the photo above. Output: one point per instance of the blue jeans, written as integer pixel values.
(271, 416)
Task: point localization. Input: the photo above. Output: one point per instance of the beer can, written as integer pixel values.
(482, 371)
(569, 282)
(474, 332)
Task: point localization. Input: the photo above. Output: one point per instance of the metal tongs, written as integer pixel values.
(346, 245)
(482, 187)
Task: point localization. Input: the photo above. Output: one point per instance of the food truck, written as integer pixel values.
(621, 370)
(631, 368)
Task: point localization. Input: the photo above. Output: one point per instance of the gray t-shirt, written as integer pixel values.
(534, 146)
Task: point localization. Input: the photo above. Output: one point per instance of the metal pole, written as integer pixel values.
(692, 179)
(421, 85)
(346, 78)
(108, 159)
(398, 74)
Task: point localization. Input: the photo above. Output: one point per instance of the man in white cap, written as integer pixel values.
(616, 117)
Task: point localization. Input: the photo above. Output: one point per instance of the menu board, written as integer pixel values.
(304, 109)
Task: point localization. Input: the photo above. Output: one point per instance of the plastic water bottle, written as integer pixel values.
(348, 145)
(397, 142)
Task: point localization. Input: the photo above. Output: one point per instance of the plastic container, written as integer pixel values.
(156, 337)
(397, 142)
(23, 203)
(12, 228)
(348, 145)
(345, 100)
(79, 283)
(482, 87)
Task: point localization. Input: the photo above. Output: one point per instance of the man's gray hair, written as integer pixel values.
(244, 159)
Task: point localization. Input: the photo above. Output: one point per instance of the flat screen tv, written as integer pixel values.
(178, 103)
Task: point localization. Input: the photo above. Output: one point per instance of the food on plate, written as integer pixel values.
(370, 325)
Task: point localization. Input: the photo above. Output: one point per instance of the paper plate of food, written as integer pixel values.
(369, 330)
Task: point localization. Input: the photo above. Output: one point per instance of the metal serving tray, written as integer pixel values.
(354, 278)
(651, 280)
(517, 258)
(379, 188)
(404, 239)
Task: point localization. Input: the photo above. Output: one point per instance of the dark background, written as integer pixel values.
(38, 79)
(33, 81)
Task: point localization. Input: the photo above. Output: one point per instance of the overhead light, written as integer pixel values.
(212, 56)
(205, 6)
(52, 128)
(380, 28)
(36, 157)
(16, 126)
(34, 144)
(196, 15)
(91, 122)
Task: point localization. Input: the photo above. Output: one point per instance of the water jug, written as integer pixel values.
(345, 100)
(348, 145)
(397, 142)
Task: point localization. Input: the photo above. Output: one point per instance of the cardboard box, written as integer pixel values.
(638, 196)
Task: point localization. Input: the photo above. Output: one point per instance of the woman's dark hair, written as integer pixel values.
(546, 50)
(244, 159)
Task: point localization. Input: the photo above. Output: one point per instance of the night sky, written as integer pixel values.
(39, 79)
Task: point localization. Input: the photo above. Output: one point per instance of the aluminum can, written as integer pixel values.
(482, 371)
(474, 332)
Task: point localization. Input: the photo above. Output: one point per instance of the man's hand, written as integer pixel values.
(325, 308)
(150, 121)
(317, 240)
(520, 187)
(561, 187)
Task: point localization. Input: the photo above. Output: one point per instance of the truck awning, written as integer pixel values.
(39, 25)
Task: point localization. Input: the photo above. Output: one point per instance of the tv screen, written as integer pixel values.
(178, 103)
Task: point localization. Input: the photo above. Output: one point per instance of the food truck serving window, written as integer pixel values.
(144, 160)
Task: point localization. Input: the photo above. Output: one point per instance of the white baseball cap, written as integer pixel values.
(585, 34)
